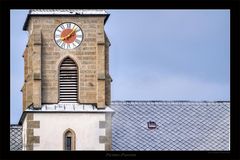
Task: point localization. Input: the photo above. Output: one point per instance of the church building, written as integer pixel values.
(67, 96)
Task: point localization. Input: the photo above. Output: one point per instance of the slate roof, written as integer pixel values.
(65, 12)
(182, 125)
(15, 138)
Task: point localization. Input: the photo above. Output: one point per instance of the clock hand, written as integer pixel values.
(70, 34)
(63, 38)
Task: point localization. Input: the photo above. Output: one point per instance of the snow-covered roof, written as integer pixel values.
(65, 12)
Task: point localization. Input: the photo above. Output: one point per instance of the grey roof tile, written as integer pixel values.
(182, 125)
(15, 138)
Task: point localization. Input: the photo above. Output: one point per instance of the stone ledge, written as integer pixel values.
(101, 76)
(100, 43)
(37, 76)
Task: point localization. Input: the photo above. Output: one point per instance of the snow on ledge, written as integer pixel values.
(69, 107)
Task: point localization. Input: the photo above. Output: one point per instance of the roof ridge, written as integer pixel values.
(67, 11)
(169, 101)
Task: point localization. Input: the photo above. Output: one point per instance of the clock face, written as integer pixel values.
(68, 35)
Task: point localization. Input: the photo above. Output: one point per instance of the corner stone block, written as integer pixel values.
(29, 147)
(102, 124)
(102, 139)
(33, 124)
(30, 116)
(33, 139)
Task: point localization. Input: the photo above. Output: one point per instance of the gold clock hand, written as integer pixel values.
(72, 32)
(63, 38)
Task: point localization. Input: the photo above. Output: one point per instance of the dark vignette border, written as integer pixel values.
(7, 5)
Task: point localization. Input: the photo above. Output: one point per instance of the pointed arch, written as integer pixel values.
(68, 81)
(69, 140)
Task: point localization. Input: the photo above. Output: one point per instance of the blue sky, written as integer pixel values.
(155, 55)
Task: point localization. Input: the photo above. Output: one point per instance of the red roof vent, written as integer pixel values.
(152, 125)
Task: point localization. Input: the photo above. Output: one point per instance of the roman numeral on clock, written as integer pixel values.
(57, 36)
(58, 41)
(68, 25)
(68, 46)
(79, 36)
(74, 44)
(63, 45)
(62, 26)
(77, 30)
(78, 41)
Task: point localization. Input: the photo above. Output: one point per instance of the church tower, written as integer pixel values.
(66, 91)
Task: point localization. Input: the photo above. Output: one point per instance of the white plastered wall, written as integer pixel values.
(53, 126)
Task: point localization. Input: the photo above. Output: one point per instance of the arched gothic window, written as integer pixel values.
(69, 140)
(68, 81)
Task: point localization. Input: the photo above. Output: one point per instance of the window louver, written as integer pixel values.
(68, 81)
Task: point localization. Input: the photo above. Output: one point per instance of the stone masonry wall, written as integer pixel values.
(42, 85)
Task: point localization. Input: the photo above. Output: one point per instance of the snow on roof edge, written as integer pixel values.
(67, 12)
